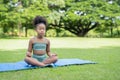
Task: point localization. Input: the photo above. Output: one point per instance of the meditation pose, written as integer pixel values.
(38, 52)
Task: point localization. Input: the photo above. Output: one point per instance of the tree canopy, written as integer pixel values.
(81, 16)
(77, 16)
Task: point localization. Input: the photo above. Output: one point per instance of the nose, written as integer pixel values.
(42, 30)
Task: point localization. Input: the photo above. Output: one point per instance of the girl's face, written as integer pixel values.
(41, 29)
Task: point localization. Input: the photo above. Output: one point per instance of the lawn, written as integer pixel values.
(104, 51)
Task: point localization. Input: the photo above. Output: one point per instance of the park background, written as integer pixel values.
(66, 18)
(84, 29)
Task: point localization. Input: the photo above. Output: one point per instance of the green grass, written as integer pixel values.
(104, 51)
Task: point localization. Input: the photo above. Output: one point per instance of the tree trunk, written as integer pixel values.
(118, 31)
(111, 31)
(12, 31)
(25, 31)
(82, 33)
(19, 29)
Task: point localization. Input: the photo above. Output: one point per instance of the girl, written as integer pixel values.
(40, 46)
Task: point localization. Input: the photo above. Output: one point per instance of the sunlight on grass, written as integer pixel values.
(10, 44)
(83, 42)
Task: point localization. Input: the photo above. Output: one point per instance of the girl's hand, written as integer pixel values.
(28, 54)
(53, 54)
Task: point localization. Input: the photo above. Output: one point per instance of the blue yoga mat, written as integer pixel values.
(23, 65)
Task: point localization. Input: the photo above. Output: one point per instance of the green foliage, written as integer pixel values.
(76, 16)
(31, 32)
(60, 33)
(56, 4)
(51, 33)
(85, 13)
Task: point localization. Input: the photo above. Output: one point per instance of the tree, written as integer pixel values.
(81, 16)
(110, 17)
(22, 12)
(76, 16)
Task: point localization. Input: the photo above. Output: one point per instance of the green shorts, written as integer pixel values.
(39, 57)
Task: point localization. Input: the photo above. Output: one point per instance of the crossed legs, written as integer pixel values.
(33, 61)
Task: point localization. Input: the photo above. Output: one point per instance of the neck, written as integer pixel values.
(40, 37)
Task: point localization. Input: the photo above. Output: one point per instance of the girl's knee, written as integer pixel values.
(55, 58)
(27, 59)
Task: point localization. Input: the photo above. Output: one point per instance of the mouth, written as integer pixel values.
(42, 33)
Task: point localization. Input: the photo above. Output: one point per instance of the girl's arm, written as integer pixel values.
(48, 50)
(29, 51)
